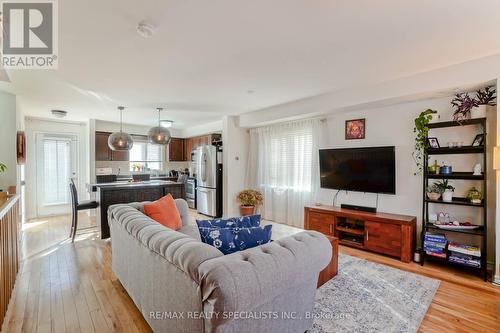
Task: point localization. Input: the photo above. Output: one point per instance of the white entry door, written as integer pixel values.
(56, 163)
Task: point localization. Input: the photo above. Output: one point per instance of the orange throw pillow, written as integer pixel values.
(164, 211)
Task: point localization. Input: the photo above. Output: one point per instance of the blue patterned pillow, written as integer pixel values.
(231, 222)
(230, 240)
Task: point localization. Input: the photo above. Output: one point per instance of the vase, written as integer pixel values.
(448, 195)
(433, 195)
(247, 210)
(479, 112)
(436, 117)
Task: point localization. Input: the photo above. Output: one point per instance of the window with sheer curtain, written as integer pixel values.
(284, 166)
(145, 154)
(56, 167)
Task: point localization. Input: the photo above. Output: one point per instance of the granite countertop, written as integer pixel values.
(129, 177)
(125, 184)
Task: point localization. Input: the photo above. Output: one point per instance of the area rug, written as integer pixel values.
(369, 297)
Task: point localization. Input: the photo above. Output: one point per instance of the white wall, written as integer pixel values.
(207, 128)
(8, 129)
(393, 126)
(235, 156)
(434, 83)
(108, 126)
(33, 126)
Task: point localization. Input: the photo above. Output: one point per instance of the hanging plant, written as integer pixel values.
(421, 131)
(463, 104)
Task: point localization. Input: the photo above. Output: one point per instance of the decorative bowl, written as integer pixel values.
(433, 195)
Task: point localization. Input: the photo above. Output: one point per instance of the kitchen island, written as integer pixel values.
(125, 192)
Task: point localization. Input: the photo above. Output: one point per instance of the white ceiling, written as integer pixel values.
(212, 58)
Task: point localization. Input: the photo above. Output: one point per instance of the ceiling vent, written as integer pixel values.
(59, 113)
(166, 123)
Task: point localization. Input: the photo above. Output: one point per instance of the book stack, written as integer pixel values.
(435, 245)
(465, 254)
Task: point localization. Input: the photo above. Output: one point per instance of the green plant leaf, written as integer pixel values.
(422, 130)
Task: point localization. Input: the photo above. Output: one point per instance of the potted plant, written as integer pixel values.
(485, 98)
(474, 196)
(446, 190)
(463, 104)
(421, 131)
(249, 199)
(433, 192)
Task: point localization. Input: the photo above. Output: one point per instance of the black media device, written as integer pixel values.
(370, 169)
(359, 208)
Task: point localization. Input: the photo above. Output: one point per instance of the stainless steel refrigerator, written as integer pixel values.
(209, 180)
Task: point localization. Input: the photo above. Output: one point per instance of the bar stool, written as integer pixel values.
(77, 206)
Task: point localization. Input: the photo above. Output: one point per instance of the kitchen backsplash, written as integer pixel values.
(124, 166)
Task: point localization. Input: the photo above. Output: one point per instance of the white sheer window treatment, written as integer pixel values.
(283, 164)
(145, 154)
(56, 162)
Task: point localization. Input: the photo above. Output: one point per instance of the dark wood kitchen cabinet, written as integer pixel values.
(188, 147)
(175, 150)
(120, 155)
(104, 153)
(191, 144)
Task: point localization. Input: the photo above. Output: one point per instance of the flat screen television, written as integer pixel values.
(371, 169)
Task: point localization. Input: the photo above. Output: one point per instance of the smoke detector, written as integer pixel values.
(59, 113)
(145, 29)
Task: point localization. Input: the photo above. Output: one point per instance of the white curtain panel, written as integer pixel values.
(283, 164)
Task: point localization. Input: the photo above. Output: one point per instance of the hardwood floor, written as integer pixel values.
(65, 287)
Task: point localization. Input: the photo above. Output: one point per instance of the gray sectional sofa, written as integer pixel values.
(183, 285)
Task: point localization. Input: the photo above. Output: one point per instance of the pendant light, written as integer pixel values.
(120, 141)
(159, 135)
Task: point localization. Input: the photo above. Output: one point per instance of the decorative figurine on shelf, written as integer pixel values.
(474, 196)
(477, 170)
(443, 218)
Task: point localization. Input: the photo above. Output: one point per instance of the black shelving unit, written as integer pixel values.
(457, 201)
(428, 226)
(457, 175)
(456, 150)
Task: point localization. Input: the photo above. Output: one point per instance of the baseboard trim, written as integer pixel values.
(496, 280)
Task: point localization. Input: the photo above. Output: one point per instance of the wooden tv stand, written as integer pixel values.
(389, 234)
